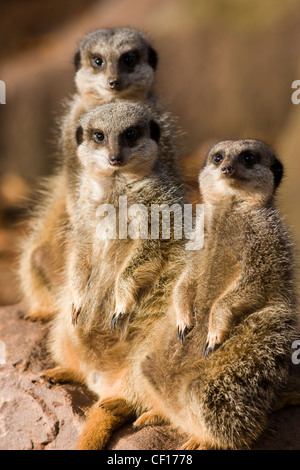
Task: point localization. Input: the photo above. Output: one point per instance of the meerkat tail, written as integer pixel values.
(99, 427)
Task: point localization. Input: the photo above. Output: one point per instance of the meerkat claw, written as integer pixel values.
(75, 314)
(181, 333)
(114, 320)
(210, 349)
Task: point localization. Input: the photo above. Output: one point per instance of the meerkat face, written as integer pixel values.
(115, 63)
(118, 138)
(247, 170)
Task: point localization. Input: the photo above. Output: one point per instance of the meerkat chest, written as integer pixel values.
(119, 217)
(220, 262)
(114, 221)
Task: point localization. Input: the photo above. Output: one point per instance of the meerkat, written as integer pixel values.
(42, 251)
(235, 306)
(110, 64)
(121, 287)
(236, 197)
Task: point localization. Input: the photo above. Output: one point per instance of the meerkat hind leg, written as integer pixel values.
(116, 406)
(61, 375)
(195, 443)
(40, 314)
(150, 418)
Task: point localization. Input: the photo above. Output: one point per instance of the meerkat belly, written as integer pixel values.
(106, 383)
(108, 360)
(100, 344)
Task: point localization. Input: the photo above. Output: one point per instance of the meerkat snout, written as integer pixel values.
(114, 83)
(116, 160)
(227, 170)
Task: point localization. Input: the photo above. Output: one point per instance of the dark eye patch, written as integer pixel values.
(154, 130)
(79, 135)
(152, 58)
(129, 59)
(77, 61)
(131, 135)
(277, 170)
(249, 158)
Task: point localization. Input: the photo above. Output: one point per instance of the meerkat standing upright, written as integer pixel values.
(111, 64)
(237, 296)
(121, 286)
(238, 196)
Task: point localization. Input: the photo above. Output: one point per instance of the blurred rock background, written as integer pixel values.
(226, 69)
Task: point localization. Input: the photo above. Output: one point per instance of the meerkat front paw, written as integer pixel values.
(184, 325)
(122, 310)
(213, 341)
(117, 316)
(182, 331)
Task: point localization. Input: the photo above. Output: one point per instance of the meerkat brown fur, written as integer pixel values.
(238, 193)
(237, 299)
(120, 287)
(111, 64)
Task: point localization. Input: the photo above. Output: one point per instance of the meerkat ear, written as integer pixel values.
(277, 170)
(154, 131)
(152, 57)
(77, 61)
(79, 135)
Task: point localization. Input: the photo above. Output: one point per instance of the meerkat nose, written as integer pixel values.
(114, 83)
(115, 160)
(227, 170)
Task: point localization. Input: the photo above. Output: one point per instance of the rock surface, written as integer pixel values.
(37, 415)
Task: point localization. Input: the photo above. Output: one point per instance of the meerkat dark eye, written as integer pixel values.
(131, 135)
(249, 158)
(99, 136)
(217, 158)
(129, 59)
(97, 61)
